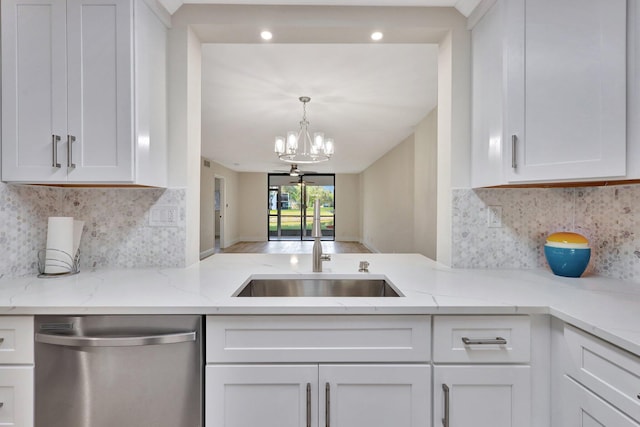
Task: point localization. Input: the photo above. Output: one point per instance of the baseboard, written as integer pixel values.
(370, 247)
(207, 253)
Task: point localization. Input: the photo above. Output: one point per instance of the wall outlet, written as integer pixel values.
(164, 216)
(494, 216)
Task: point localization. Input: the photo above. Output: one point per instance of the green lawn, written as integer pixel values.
(297, 212)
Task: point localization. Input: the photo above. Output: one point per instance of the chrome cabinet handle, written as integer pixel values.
(1, 340)
(445, 419)
(1, 404)
(54, 142)
(514, 142)
(70, 140)
(327, 408)
(87, 341)
(484, 341)
(308, 404)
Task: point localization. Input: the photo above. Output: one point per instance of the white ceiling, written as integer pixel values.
(367, 96)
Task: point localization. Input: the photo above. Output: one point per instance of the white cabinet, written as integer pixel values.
(585, 409)
(349, 371)
(549, 92)
(598, 383)
(305, 395)
(482, 396)
(481, 371)
(73, 111)
(16, 371)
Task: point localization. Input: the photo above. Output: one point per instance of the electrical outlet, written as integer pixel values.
(494, 216)
(164, 216)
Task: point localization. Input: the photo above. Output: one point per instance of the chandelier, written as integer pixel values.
(299, 148)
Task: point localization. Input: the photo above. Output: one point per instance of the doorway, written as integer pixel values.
(218, 214)
(291, 203)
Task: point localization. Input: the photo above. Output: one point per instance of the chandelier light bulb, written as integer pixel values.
(280, 145)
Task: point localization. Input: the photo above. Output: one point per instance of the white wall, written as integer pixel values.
(387, 206)
(399, 195)
(184, 129)
(252, 199)
(348, 211)
(425, 196)
(231, 208)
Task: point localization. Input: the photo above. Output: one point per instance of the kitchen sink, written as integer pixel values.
(318, 287)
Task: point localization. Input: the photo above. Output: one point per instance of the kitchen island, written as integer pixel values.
(463, 339)
(604, 307)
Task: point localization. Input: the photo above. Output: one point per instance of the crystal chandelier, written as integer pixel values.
(299, 148)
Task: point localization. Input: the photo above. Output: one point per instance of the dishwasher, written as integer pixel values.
(124, 371)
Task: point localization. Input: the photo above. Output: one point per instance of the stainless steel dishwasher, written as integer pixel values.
(124, 371)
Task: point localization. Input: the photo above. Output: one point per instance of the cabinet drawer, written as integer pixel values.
(318, 338)
(481, 339)
(16, 396)
(608, 371)
(16, 340)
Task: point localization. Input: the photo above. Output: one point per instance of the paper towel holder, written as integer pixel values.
(68, 263)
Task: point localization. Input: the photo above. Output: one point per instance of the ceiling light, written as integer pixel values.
(294, 171)
(298, 147)
(376, 36)
(266, 35)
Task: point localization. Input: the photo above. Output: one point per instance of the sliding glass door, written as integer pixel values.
(291, 204)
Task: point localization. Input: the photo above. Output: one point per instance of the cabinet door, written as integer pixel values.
(34, 92)
(100, 79)
(16, 396)
(261, 395)
(488, 104)
(582, 408)
(482, 396)
(375, 395)
(566, 89)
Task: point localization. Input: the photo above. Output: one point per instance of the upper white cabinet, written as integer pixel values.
(549, 92)
(83, 92)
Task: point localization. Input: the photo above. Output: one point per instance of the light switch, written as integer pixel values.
(164, 216)
(494, 216)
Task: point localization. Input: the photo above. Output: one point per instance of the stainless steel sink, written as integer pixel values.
(318, 288)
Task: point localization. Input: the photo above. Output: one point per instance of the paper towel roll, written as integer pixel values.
(60, 252)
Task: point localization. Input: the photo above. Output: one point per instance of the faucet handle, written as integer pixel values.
(364, 267)
(325, 257)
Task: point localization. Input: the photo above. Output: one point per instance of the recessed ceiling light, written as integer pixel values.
(377, 35)
(266, 35)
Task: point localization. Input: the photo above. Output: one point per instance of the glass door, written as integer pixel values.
(291, 204)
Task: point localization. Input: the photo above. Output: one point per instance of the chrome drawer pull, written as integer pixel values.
(445, 420)
(54, 140)
(70, 140)
(327, 408)
(1, 404)
(308, 404)
(484, 341)
(1, 340)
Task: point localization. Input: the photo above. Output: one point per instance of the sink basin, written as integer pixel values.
(318, 288)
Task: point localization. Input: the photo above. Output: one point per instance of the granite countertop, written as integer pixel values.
(605, 307)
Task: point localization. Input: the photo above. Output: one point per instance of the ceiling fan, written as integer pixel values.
(295, 171)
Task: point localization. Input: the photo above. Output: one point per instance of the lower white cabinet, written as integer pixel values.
(318, 395)
(582, 408)
(482, 396)
(16, 371)
(16, 396)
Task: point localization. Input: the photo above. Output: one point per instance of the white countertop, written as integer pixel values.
(605, 307)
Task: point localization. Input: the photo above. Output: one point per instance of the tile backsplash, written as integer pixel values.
(608, 216)
(116, 232)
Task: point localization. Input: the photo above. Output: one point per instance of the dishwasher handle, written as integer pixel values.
(128, 341)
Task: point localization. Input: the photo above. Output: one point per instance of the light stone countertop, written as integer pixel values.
(605, 307)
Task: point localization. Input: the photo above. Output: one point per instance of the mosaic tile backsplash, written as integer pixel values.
(608, 216)
(116, 233)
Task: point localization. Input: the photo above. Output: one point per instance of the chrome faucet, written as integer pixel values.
(318, 256)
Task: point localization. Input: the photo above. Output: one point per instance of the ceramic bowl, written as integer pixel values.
(568, 254)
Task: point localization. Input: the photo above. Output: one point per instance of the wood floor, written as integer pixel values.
(295, 247)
